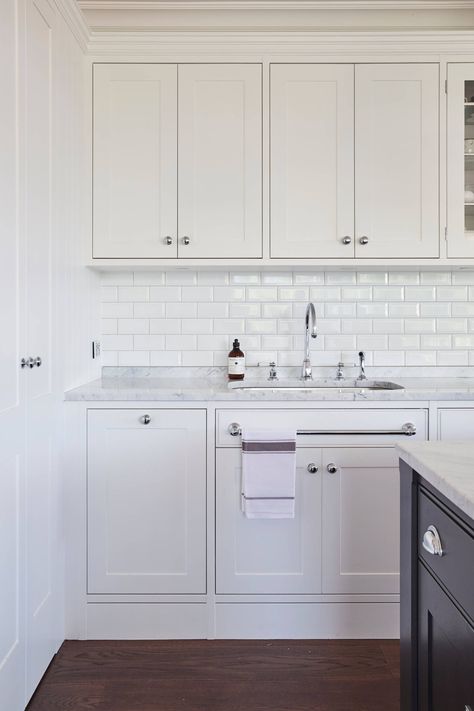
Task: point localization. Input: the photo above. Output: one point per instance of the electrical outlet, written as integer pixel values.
(95, 349)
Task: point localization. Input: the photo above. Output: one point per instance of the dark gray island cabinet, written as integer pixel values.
(437, 576)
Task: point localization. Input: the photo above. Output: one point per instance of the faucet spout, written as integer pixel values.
(310, 328)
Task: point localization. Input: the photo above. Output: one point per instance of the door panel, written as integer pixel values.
(220, 160)
(446, 643)
(312, 160)
(43, 616)
(12, 383)
(456, 423)
(147, 502)
(267, 556)
(361, 520)
(460, 161)
(396, 160)
(135, 160)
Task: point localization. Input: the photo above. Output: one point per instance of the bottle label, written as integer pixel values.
(236, 366)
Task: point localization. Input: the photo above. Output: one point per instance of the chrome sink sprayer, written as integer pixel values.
(310, 317)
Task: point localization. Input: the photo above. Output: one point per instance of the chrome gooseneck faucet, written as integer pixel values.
(362, 375)
(310, 317)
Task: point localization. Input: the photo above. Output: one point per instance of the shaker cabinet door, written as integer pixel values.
(135, 161)
(361, 514)
(312, 160)
(147, 501)
(268, 556)
(445, 649)
(220, 161)
(460, 157)
(396, 160)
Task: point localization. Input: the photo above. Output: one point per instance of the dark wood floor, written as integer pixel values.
(222, 676)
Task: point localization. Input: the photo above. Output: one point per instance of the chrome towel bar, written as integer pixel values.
(408, 430)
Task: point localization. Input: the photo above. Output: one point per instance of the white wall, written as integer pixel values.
(190, 318)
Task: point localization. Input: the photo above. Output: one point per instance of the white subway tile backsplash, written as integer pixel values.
(197, 293)
(181, 310)
(148, 310)
(149, 279)
(403, 278)
(165, 293)
(181, 278)
(165, 325)
(153, 342)
(133, 293)
(420, 293)
(133, 325)
(115, 309)
(188, 317)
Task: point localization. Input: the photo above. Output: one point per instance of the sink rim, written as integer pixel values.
(318, 385)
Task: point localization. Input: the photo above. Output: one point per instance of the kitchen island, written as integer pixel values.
(437, 576)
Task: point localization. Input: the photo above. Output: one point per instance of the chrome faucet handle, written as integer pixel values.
(273, 375)
(340, 372)
(362, 375)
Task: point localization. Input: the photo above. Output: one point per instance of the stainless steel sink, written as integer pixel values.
(330, 385)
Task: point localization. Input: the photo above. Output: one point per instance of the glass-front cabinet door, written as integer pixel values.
(460, 160)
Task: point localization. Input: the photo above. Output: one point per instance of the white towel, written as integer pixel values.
(268, 473)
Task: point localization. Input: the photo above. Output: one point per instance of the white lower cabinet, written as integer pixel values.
(456, 423)
(360, 520)
(146, 501)
(263, 556)
(344, 538)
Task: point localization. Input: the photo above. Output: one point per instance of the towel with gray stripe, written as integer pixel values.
(268, 473)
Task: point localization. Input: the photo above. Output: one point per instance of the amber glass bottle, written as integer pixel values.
(236, 362)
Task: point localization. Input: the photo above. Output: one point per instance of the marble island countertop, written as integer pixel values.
(448, 466)
(213, 386)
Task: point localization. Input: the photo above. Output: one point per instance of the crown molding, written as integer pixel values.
(345, 45)
(135, 5)
(74, 19)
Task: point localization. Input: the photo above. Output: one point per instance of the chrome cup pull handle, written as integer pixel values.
(432, 542)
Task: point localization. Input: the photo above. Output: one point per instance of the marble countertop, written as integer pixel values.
(448, 466)
(211, 387)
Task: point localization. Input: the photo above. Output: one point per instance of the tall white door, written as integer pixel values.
(261, 556)
(43, 599)
(135, 160)
(220, 160)
(12, 383)
(361, 512)
(312, 160)
(397, 160)
(147, 501)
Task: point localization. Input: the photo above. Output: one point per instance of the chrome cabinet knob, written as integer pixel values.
(27, 362)
(312, 468)
(38, 361)
(332, 469)
(432, 542)
(186, 240)
(364, 240)
(168, 240)
(234, 429)
(346, 240)
(145, 419)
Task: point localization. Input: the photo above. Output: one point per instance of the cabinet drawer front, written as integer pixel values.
(329, 426)
(456, 423)
(454, 568)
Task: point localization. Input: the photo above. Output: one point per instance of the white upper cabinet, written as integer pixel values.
(397, 160)
(220, 160)
(312, 160)
(135, 160)
(460, 160)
